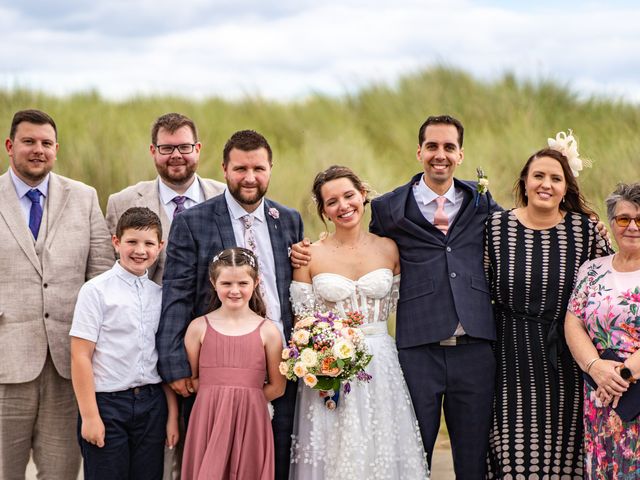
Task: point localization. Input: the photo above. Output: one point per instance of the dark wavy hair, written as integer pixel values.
(237, 257)
(335, 172)
(573, 200)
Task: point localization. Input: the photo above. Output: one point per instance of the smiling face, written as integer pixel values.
(234, 286)
(545, 184)
(247, 175)
(627, 238)
(439, 155)
(176, 168)
(342, 203)
(138, 249)
(32, 152)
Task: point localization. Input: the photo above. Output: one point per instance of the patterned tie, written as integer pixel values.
(250, 243)
(440, 219)
(179, 201)
(249, 235)
(35, 214)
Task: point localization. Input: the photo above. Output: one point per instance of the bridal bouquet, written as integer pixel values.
(325, 351)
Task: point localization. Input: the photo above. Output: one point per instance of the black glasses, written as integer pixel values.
(183, 148)
(624, 221)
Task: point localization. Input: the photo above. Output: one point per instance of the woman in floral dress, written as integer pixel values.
(604, 313)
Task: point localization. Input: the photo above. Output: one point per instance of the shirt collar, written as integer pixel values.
(127, 276)
(426, 195)
(22, 188)
(237, 211)
(167, 194)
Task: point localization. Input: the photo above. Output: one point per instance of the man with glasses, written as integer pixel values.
(175, 150)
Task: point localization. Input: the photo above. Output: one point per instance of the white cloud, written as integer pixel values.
(290, 48)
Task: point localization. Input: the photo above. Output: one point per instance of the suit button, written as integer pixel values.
(448, 249)
(45, 285)
(46, 315)
(453, 275)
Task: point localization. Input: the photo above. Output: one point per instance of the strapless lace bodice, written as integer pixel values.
(375, 294)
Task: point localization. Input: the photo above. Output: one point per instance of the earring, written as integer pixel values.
(526, 194)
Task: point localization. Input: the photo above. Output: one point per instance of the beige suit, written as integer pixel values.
(38, 288)
(146, 194)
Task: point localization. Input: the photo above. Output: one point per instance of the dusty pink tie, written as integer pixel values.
(440, 219)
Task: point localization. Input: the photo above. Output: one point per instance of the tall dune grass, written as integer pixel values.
(106, 144)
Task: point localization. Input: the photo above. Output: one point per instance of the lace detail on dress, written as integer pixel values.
(373, 433)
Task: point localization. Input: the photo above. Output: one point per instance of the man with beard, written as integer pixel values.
(243, 217)
(53, 238)
(175, 150)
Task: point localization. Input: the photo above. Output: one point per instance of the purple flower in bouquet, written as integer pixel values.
(347, 387)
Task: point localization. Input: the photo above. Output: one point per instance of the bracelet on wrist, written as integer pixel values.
(590, 364)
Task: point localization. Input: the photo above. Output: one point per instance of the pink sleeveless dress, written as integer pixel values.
(229, 434)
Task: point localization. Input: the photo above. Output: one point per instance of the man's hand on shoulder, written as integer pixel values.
(300, 255)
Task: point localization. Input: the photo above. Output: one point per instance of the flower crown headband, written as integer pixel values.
(567, 145)
(251, 259)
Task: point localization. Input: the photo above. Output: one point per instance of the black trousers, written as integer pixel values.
(135, 423)
(461, 380)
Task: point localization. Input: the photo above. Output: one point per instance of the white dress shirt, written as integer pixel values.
(426, 200)
(194, 195)
(22, 189)
(119, 312)
(266, 262)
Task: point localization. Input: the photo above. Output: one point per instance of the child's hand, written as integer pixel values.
(93, 431)
(195, 384)
(173, 435)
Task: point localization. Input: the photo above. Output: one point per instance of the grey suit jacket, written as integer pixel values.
(40, 280)
(146, 194)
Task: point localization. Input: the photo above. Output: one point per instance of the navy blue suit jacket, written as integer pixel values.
(443, 279)
(196, 236)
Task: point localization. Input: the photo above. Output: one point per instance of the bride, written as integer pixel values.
(373, 433)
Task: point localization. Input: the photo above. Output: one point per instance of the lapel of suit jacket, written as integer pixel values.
(56, 203)
(223, 220)
(11, 211)
(279, 248)
(398, 212)
(149, 196)
(206, 187)
(466, 212)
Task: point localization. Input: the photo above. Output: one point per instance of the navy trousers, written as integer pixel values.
(135, 423)
(461, 380)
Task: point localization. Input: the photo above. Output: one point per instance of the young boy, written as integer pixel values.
(124, 414)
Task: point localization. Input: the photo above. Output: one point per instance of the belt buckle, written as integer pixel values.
(449, 342)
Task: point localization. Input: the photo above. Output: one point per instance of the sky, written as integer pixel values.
(289, 49)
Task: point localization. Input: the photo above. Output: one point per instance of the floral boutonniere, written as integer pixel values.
(274, 213)
(483, 184)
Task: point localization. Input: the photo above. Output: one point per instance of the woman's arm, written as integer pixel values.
(603, 372)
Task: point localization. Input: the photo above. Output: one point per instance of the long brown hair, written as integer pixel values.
(573, 200)
(237, 257)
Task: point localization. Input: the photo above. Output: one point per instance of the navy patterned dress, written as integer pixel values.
(537, 419)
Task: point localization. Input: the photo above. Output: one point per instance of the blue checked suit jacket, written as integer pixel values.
(196, 236)
(443, 279)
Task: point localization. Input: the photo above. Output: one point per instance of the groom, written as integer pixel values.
(445, 321)
(201, 232)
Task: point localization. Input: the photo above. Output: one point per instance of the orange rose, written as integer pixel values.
(326, 368)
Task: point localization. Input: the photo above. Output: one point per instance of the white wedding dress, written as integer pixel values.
(373, 433)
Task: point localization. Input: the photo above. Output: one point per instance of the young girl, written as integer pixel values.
(230, 350)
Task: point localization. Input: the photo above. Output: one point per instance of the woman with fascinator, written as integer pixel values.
(532, 255)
